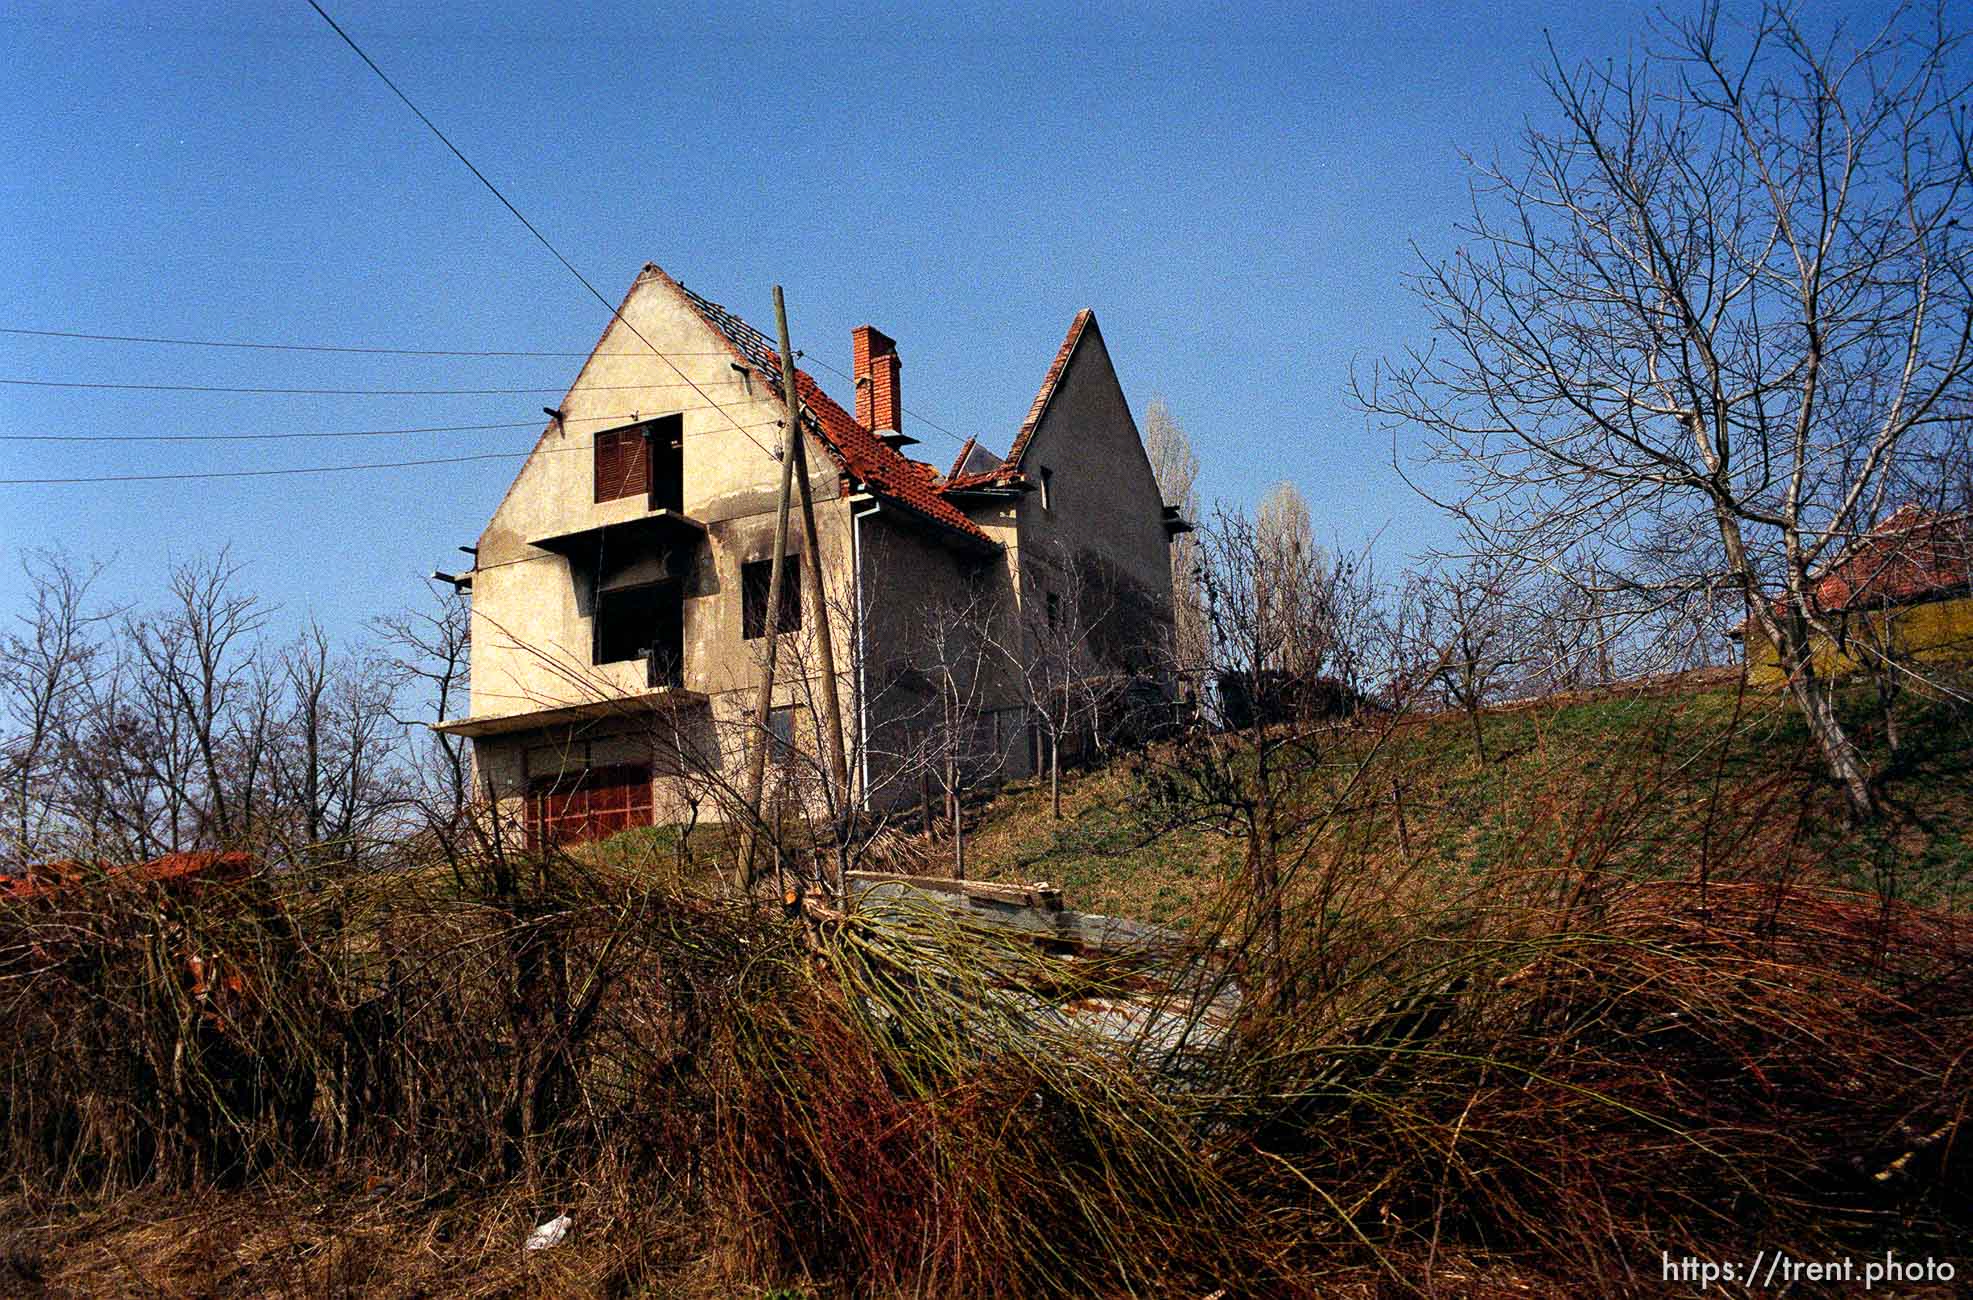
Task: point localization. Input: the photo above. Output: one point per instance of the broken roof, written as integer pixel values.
(865, 458)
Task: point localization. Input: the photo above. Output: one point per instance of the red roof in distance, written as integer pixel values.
(1912, 555)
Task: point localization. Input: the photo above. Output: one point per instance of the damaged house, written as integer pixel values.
(619, 593)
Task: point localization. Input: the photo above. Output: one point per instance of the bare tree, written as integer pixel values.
(429, 665)
(947, 694)
(1463, 638)
(187, 730)
(1290, 578)
(335, 770)
(1176, 467)
(1251, 779)
(1704, 322)
(1049, 661)
(1252, 580)
(44, 671)
(197, 666)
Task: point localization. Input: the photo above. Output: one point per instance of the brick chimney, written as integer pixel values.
(879, 397)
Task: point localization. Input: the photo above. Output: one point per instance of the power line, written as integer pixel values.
(907, 410)
(317, 347)
(539, 237)
(274, 473)
(349, 433)
(251, 437)
(321, 469)
(348, 392)
(269, 473)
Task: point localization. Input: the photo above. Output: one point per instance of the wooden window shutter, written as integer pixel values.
(623, 464)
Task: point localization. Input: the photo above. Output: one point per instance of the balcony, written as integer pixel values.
(637, 705)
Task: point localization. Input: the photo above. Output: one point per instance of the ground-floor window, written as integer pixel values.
(588, 804)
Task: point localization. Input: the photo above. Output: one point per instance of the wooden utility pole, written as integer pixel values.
(764, 702)
(794, 470)
(825, 650)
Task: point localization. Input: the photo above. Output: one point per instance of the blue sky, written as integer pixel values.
(1236, 192)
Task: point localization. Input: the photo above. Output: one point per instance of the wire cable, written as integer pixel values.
(348, 433)
(532, 230)
(344, 392)
(270, 473)
(317, 347)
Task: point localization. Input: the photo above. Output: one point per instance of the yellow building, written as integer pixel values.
(1903, 593)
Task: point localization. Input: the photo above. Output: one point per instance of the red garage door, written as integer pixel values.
(588, 804)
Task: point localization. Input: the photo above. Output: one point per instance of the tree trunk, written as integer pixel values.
(1479, 735)
(1263, 870)
(1819, 709)
(958, 836)
(1055, 774)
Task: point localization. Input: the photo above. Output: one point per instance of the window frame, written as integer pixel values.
(665, 594)
(623, 464)
(755, 578)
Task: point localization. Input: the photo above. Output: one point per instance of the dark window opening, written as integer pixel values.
(1054, 611)
(623, 463)
(640, 622)
(667, 454)
(588, 804)
(755, 578)
(1047, 488)
(781, 731)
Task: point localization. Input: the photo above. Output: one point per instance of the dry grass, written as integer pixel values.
(1593, 1033)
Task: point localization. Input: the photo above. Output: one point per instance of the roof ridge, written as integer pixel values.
(866, 458)
(1083, 319)
(959, 462)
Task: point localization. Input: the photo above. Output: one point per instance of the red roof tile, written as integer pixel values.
(998, 473)
(1912, 555)
(959, 461)
(173, 869)
(867, 459)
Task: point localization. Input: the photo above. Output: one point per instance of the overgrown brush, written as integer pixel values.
(1697, 1070)
(885, 1103)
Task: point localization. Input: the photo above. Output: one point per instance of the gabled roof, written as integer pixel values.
(1085, 319)
(866, 458)
(1912, 555)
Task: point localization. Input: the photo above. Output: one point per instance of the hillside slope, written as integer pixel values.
(1658, 783)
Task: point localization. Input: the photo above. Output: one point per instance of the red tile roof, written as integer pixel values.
(173, 870)
(1912, 555)
(867, 459)
(1004, 476)
(959, 461)
(1084, 319)
(999, 474)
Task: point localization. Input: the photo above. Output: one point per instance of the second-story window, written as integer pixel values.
(666, 439)
(755, 578)
(1047, 488)
(623, 463)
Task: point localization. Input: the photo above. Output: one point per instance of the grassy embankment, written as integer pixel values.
(1662, 783)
